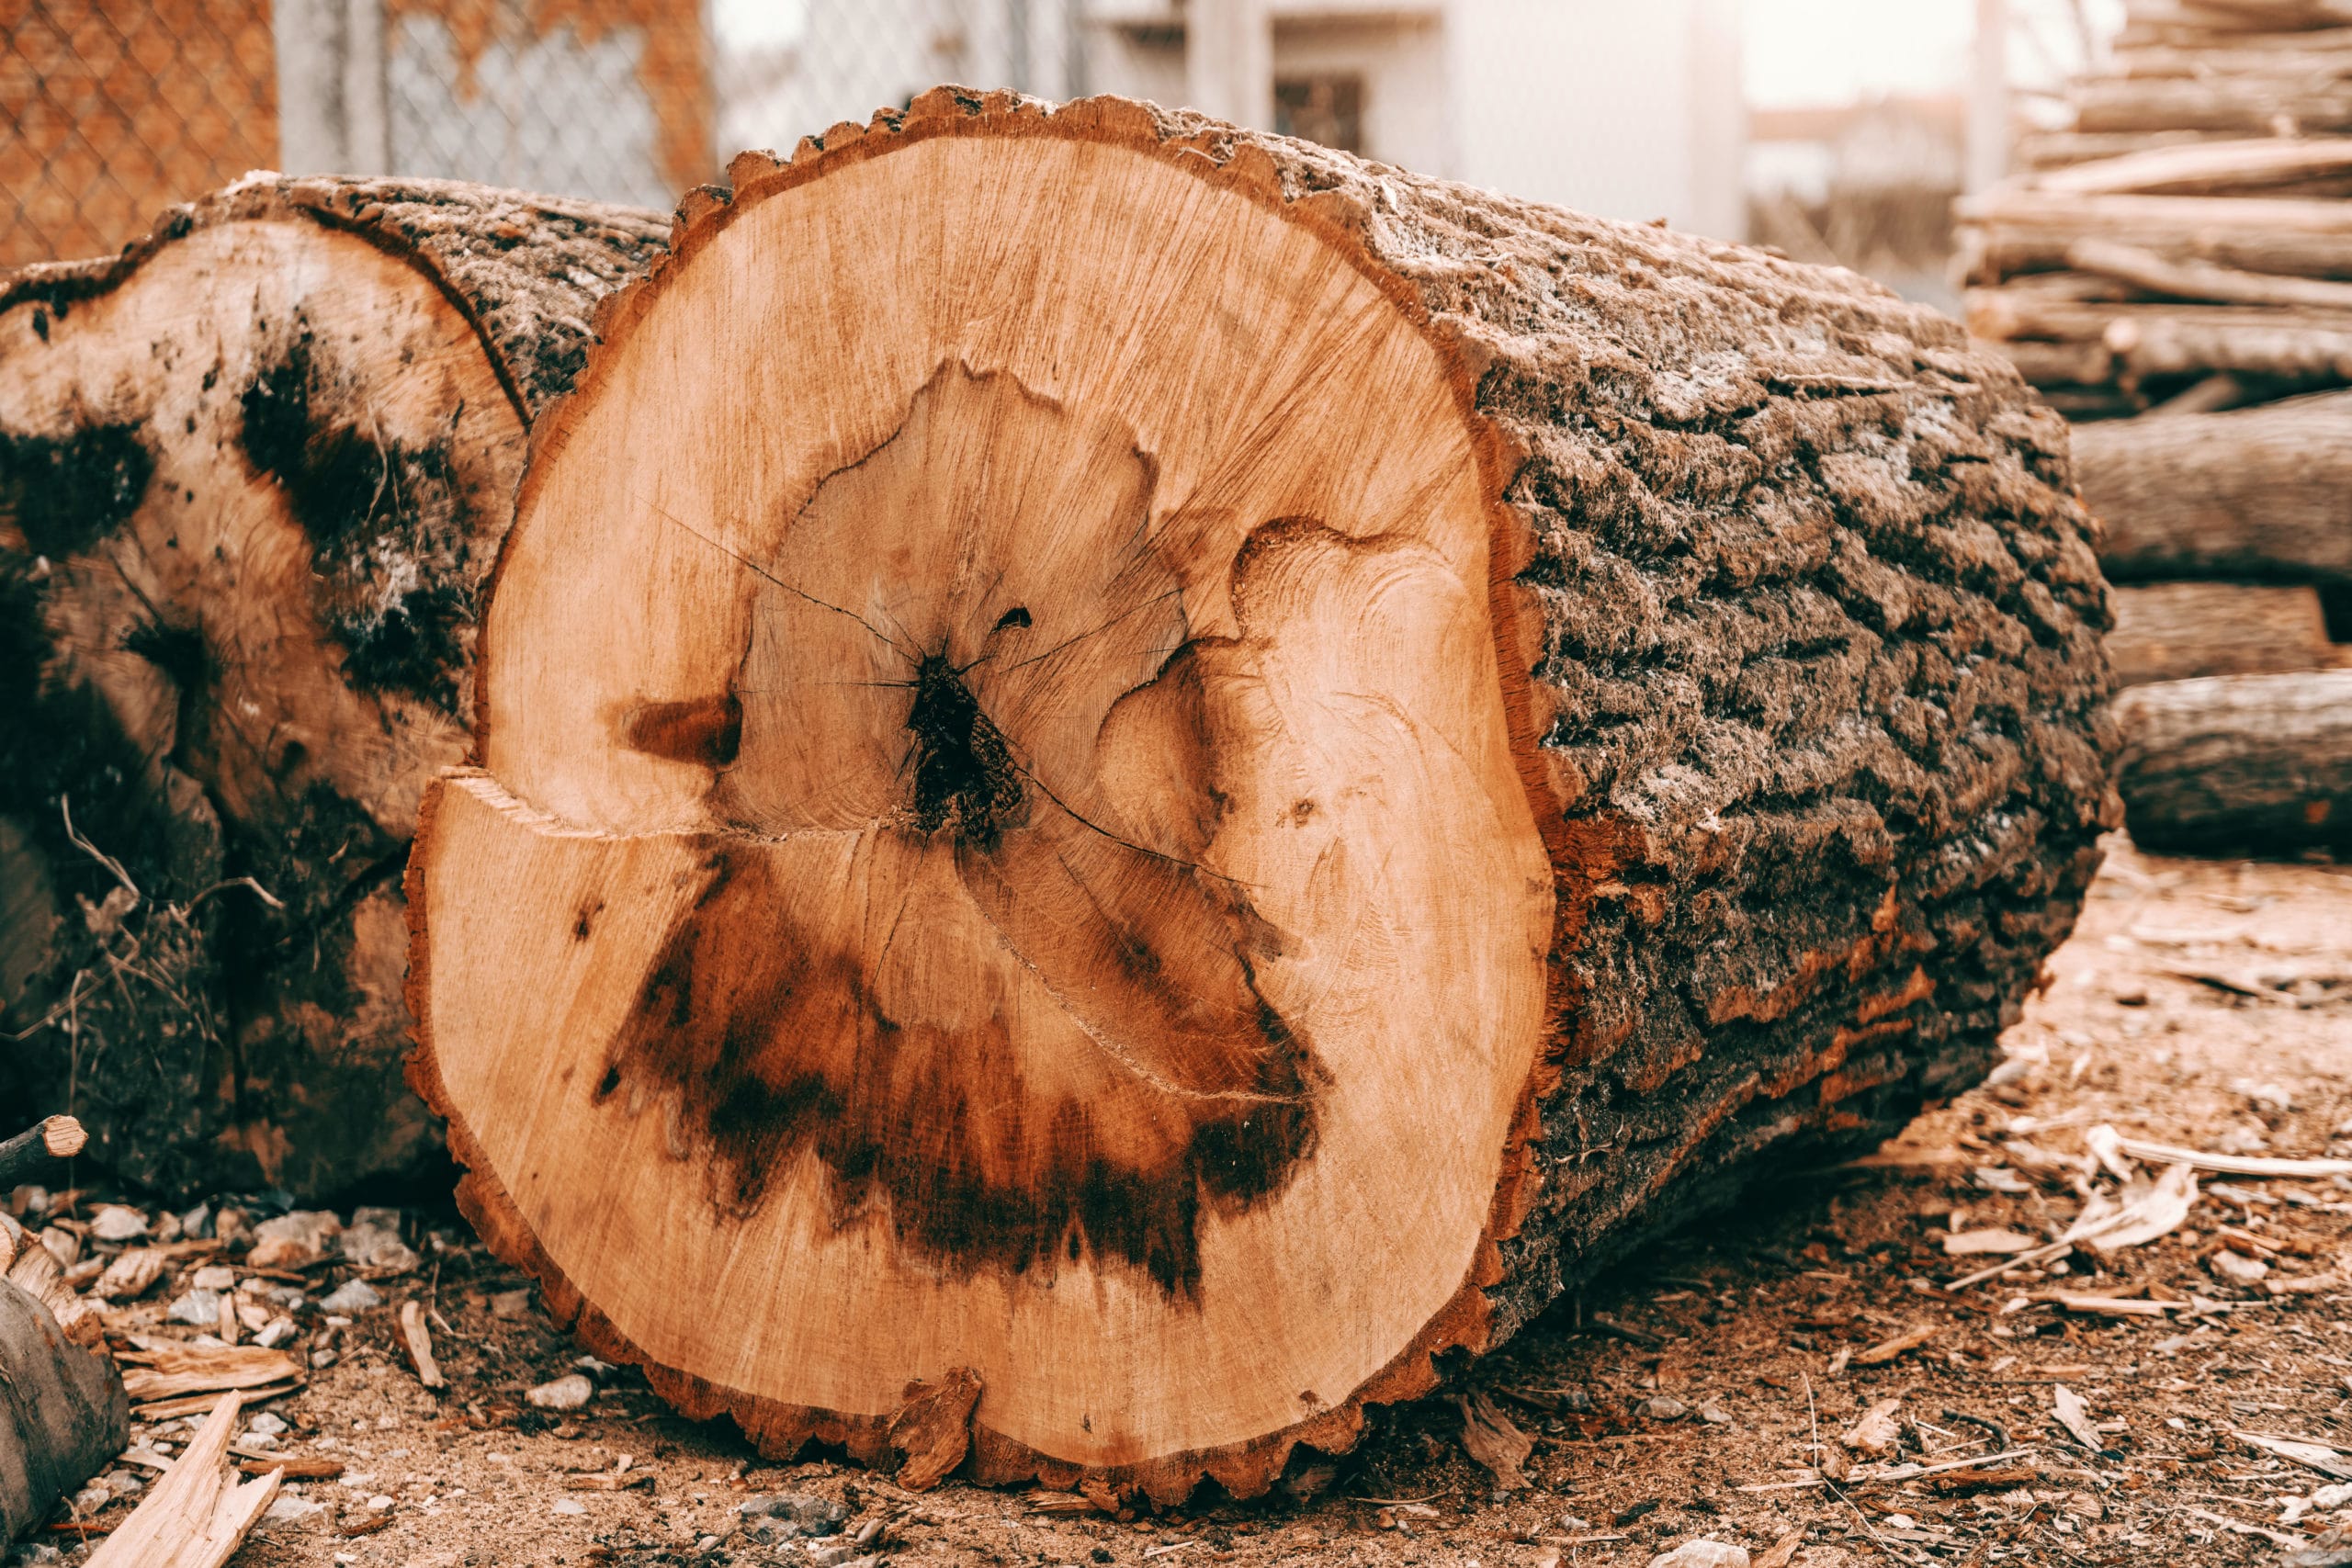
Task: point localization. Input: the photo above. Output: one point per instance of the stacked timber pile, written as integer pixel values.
(2175, 270)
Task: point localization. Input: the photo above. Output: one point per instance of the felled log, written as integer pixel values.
(2157, 340)
(64, 1415)
(1212, 769)
(26, 1154)
(2250, 105)
(2178, 631)
(2206, 168)
(2151, 274)
(2022, 230)
(2258, 765)
(253, 475)
(201, 1512)
(2262, 493)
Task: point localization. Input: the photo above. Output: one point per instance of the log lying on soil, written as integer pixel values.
(2258, 493)
(2175, 631)
(1210, 769)
(64, 1415)
(253, 476)
(2240, 765)
(29, 1152)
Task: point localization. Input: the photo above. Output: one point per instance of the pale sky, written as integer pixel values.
(1801, 52)
(1797, 52)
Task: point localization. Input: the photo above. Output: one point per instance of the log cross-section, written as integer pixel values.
(254, 475)
(1152, 773)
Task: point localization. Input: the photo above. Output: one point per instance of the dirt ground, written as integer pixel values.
(2201, 1004)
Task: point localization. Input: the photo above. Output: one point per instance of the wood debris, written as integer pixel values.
(2075, 1416)
(934, 1427)
(1878, 1431)
(170, 1369)
(2228, 1165)
(2322, 1456)
(199, 1513)
(1975, 1243)
(416, 1341)
(1490, 1436)
(1886, 1350)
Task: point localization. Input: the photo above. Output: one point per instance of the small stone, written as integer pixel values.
(568, 1505)
(1665, 1407)
(124, 1483)
(269, 1423)
(279, 1332)
(198, 1222)
(291, 1240)
(373, 1241)
(290, 1509)
(511, 1304)
(260, 1441)
(353, 1295)
(199, 1309)
(215, 1277)
(115, 1222)
(1714, 1415)
(379, 1504)
(2237, 1269)
(1902, 1521)
(1702, 1554)
(567, 1393)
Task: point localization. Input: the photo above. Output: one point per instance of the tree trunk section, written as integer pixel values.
(2178, 631)
(2258, 493)
(2255, 765)
(254, 474)
(1212, 769)
(63, 1416)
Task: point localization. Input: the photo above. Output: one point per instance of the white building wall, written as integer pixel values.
(1627, 111)
(1402, 62)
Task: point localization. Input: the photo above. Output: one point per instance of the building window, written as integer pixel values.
(1328, 109)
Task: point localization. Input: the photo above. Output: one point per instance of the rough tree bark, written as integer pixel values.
(2240, 765)
(63, 1416)
(253, 475)
(1211, 769)
(2260, 494)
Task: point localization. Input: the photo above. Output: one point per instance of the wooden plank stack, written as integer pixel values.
(2175, 270)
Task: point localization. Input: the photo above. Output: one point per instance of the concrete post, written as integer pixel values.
(1230, 60)
(332, 117)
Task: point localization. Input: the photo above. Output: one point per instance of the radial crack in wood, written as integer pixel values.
(1208, 770)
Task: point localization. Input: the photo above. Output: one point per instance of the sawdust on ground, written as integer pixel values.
(2205, 1004)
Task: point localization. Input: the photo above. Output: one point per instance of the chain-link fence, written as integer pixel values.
(112, 109)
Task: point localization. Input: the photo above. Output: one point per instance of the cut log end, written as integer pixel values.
(254, 474)
(62, 1136)
(1058, 845)
(1035, 896)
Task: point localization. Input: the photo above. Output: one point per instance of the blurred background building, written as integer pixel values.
(1837, 130)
